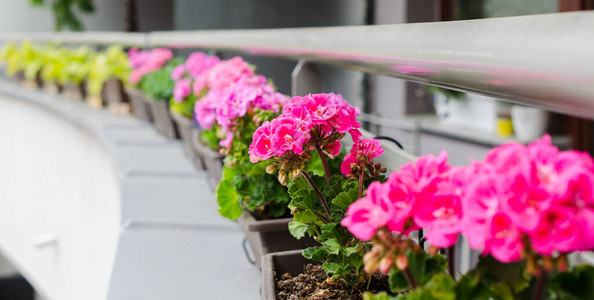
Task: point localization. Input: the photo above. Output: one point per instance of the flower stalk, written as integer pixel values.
(320, 196)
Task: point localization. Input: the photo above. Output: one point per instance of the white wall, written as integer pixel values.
(60, 203)
(19, 15)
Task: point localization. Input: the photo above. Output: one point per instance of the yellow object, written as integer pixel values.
(504, 127)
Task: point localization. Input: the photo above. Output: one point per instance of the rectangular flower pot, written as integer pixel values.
(184, 126)
(140, 105)
(74, 91)
(116, 98)
(52, 87)
(268, 236)
(211, 160)
(195, 139)
(276, 264)
(19, 76)
(162, 119)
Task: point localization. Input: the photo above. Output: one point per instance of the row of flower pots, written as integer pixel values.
(307, 205)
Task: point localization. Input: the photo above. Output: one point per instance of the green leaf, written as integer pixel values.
(439, 287)
(578, 283)
(331, 267)
(383, 296)
(332, 246)
(305, 217)
(298, 230)
(356, 260)
(346, 198)
(315, 253)
(227, 198)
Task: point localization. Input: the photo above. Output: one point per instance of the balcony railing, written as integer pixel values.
(542, 60)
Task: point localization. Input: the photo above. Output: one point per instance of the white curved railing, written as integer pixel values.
(542, 60)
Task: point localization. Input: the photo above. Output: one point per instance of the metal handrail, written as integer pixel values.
(542, 60)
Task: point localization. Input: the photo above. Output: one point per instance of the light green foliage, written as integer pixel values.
(111, 63)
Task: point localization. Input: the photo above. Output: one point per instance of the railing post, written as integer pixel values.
(305, 79)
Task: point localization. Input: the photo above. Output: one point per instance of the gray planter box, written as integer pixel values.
(184, 127)
(163, 120)
(268, 236)
(276, 264)
(212, 160)
(140, 105)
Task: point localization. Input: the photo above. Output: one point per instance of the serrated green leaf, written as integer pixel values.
(381, 296)
(346, 198)
(305, 217)
(331, 267)
(355, 260)
(332, 246)
(227, 198)
(314, 253)
(298, 230)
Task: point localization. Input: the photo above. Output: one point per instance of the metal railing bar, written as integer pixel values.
(541, 60)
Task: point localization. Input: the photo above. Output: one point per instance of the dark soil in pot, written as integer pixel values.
(288, 275)
(116, 98)
(184, 126)
(162, 119)
(213, 161)
(268, 236)
(140, 105)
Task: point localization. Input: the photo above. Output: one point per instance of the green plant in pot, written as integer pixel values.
(318, 202)
(111, 63)
(75, 72)
(158, 87)
(527, 208)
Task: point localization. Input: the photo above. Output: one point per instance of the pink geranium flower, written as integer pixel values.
(369, 213)
(362, 153)
(198, 62)
(261, 147)
(182, 89)
(147, 62)
(178, 72)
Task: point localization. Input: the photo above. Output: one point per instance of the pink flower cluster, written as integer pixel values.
(222, 74)
(226, 105)
(519, 194)
(196, 64)
(303, 118)
(147, 61)
(362, 154)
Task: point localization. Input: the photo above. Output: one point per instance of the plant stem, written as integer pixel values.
(409, 278)
(451, 261)
(320, 196)
(361, 184)
(540, 283)
(324, 219)
(324, 161)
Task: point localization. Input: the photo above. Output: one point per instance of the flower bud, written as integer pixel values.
(282, 177)
(562, 263)
(271, 168)
(386, 264)
(370, 261)
(547, 263)
(432, 250)
(401, 262)
(296, 173)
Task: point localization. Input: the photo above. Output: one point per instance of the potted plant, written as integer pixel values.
(247, 192)
(53, 61)
(75, 72)
(143, 62)
(212, 84)
(318, 203)
(109, 64)
(183, 100)
(527, 207)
